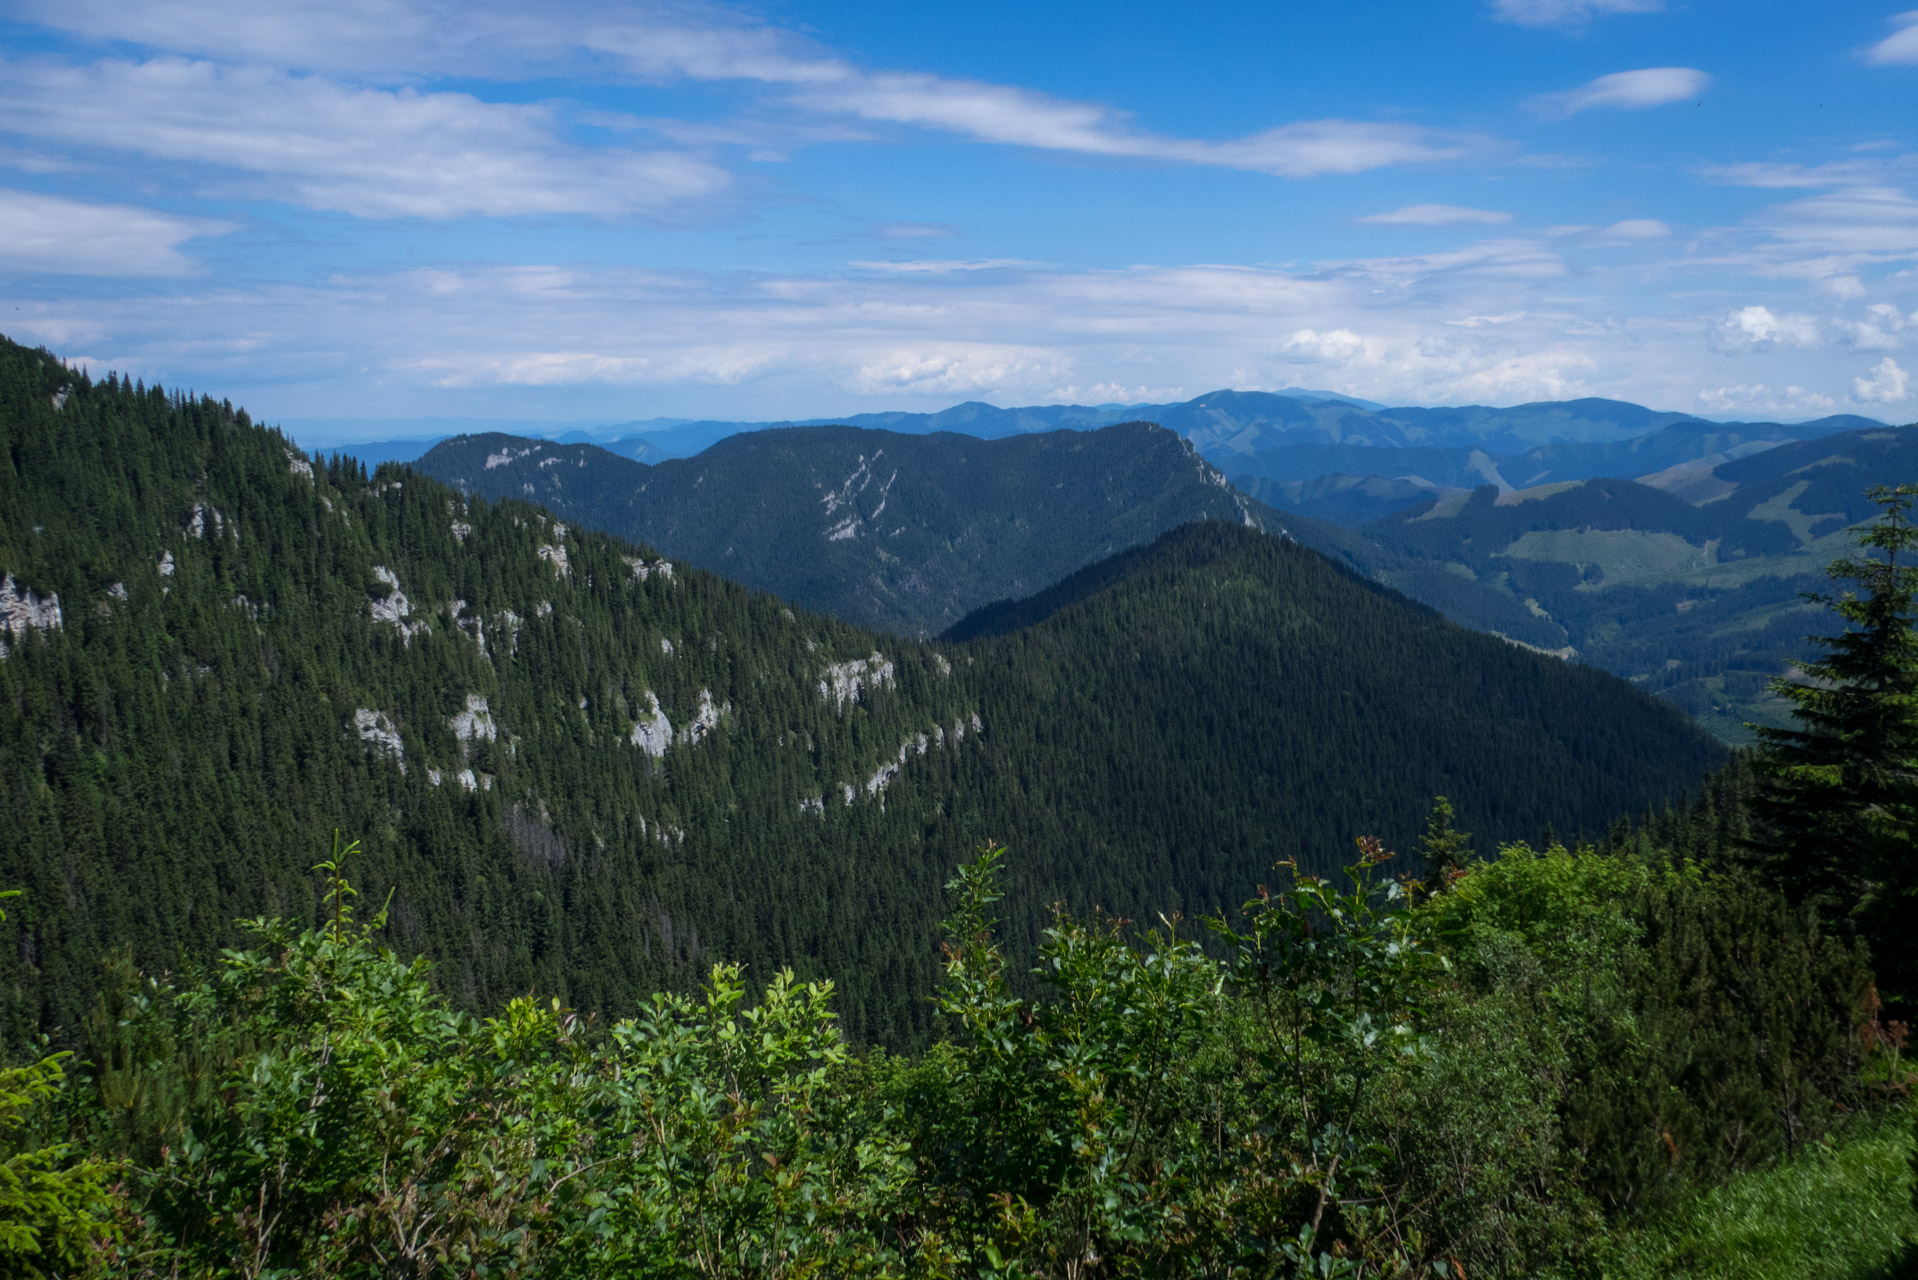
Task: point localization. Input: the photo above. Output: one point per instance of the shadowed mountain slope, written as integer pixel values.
(899, 532)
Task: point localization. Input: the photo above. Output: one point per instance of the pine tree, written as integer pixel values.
(1446, 849)
(1838, 798)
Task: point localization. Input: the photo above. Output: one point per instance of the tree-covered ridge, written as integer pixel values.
(253, 649)
(291, 635)
(904, 533)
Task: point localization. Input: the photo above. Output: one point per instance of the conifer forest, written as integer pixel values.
(407, 882)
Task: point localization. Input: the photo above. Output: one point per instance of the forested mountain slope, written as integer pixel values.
(903, 533)
(580, 769)
(911, 533)
(1688, 581)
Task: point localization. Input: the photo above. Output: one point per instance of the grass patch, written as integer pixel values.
(1841, 1211)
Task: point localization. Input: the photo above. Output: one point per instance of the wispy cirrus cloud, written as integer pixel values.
(1900, 48)
(76, 237)
(374, 153)
(411, 38)
(1436, 215)
(1567, 13)
(1627, 90)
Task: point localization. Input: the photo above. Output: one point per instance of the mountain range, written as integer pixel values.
(577, 766)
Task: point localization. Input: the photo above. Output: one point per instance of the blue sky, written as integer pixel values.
(390, 209)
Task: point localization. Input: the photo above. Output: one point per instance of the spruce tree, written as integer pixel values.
(1446, 849)
(1838, 797)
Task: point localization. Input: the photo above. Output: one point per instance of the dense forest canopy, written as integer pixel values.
(580, 769)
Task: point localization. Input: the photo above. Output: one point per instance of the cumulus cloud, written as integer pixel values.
(73, 237)
(1901, 46)
(374, 153)
(1338, 346)
(1566, 13)
(957, 369)
(1436, 215)
(1879, 331)
(1887, 384)
(1628, 90)
(1757, 328)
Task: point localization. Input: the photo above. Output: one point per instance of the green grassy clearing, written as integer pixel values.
(1841, 1211)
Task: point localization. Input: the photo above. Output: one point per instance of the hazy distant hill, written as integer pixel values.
(1688, 582)
(581, 769)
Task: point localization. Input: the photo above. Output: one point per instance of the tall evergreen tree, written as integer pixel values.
(1446, 848)
(1838, 799)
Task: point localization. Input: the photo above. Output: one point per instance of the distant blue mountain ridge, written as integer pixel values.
(1312, 452)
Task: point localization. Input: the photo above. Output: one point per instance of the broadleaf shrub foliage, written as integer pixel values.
(1335, 1082)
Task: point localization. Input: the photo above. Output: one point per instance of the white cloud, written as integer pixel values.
(1566, 13)
(1887, 383)
(1638, 229)
(373, 153)
(915, 231)
(72, 237)
(1841, 173)
(355, 36)
(943, 266)
(1757, 398)
(1857, 223)
(1757, 328)
(1629, 90)
(957, 369)
(1021, 117)
(1900, 47)
(1339, 346)
(1436, 215)
(1879, 332)
(320, 130)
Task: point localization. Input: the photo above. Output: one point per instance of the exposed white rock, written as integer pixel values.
(461, 531)
(847, 528)
(849, 792)
(433, 775)
(505, 456)
(559, 532)
(22, 610)
(844, 681)
(467, 780)
(60, 398)
(815, 805)
(556, 556)
(704, 721)
(166, 564)
(247, 607)
(299, 466)
(393, 608)
(654, 733)
(939, 660)
(545, 608)
(472, 624)
(196, 521)
(377, 728)
(118, 590)
(643, 570)
(665, 646)
(476, 723)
